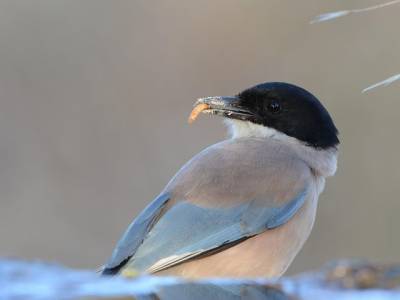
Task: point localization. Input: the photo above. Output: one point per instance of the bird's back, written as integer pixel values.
(215, 222)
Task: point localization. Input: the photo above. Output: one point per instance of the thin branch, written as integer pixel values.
(341, 13)
(385, 82)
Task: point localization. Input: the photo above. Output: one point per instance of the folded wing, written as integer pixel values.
(226, 194)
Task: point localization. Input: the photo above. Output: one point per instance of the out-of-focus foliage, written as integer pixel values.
(385, 82)
(341, 13)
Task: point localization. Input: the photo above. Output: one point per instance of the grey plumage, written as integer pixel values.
(214, 203)
(244, 206)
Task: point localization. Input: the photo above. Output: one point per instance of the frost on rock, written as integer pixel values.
(342, 280)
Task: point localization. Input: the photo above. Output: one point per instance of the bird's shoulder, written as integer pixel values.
(235, 170)
(228, 192)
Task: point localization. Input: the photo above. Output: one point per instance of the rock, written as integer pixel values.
(341, 280)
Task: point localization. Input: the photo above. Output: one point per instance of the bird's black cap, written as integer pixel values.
(284, 107)
(292, 110)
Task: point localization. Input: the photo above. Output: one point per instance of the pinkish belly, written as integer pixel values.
(266, 255)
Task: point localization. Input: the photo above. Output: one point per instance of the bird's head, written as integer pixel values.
(271, 109)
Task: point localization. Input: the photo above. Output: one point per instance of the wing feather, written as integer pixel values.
(134, 235)
(253, 219)
(227, 193)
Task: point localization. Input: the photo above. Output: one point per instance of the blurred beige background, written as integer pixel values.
(94, 98)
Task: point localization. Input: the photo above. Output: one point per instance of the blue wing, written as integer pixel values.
(215, 201)
(187, 230)
(134, 235)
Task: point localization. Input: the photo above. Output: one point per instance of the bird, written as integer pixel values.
(242, 207)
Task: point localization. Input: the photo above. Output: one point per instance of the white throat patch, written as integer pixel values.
(321, 161)
(240, 129)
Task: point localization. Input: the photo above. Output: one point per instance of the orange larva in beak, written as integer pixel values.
(196, 111)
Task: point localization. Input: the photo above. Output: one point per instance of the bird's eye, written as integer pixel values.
(274, 106)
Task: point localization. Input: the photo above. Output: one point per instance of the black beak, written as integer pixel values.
(229, 107)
